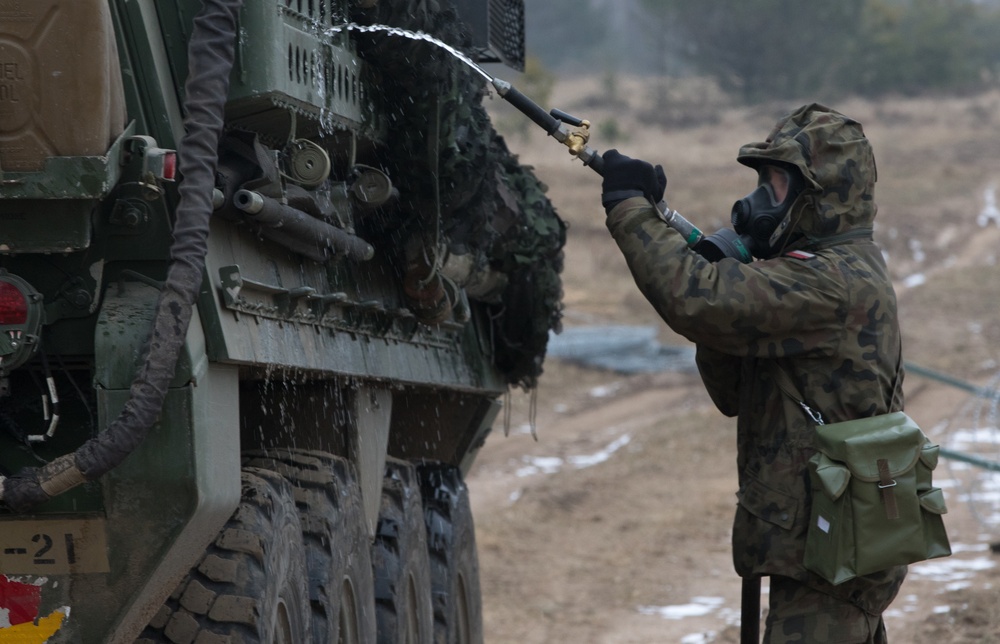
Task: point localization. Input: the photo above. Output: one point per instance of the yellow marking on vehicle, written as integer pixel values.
(29, 633)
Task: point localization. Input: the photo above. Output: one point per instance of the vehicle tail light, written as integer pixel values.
(169, 165)
(22, 312)
(13, 304)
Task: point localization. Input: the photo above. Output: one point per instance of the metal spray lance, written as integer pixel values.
(554, 123)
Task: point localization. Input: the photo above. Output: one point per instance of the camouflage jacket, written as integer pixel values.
(826, 313)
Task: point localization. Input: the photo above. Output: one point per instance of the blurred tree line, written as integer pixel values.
(774, 49)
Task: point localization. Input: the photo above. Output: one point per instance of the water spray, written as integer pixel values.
(554, 122)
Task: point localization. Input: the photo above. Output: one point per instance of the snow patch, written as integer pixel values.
(699, 607)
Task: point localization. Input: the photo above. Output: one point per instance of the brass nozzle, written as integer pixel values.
(577, 140)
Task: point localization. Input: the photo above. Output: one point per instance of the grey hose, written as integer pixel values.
(210, 56)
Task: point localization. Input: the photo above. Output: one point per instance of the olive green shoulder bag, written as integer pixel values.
(873, 503)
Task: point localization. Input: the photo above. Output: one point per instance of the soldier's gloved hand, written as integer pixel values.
(625, 177)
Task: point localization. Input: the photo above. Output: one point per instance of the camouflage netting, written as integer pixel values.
(490, 204)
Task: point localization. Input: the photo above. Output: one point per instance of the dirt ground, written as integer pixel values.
(613, 525)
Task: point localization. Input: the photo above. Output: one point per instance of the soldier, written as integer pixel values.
(818, 304)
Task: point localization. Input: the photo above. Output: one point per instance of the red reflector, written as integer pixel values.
(170, 166)
(13, 304)
(21, 601)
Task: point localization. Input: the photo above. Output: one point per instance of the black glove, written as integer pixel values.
(625, 177)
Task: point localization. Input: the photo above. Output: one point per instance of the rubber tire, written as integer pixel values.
(341, 588)
(400, 561)
(458, 604)
(250, 586)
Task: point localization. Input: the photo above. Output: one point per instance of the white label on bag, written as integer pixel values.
(823, 524)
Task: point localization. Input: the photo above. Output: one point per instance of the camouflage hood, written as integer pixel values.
(835, 158)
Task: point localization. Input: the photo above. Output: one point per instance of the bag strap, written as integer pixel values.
(898, 382)
(885, 485)
(785, 384)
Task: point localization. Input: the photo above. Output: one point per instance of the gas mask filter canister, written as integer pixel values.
(755, 219)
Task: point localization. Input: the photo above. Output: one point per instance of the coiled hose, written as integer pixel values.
(210, 55)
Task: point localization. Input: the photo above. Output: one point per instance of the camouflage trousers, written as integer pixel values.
(817, 612)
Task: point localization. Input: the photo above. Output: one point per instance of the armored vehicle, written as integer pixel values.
(266, 275)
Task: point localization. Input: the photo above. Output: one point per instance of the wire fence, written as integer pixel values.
(970, 442)
(969, 438)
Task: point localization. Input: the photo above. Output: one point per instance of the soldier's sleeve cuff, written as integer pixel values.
(621, 207)
(611, 199)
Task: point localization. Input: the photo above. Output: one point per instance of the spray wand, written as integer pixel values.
(554, 123)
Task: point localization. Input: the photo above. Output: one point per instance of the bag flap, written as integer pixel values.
(832, 476)
(860, 444)
(933, 501)
(929, 455)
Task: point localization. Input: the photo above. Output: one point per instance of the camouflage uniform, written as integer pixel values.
(827, 314)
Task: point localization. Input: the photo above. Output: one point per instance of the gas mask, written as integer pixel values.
(759, 219)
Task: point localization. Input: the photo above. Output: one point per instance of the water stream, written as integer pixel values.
(412, 35)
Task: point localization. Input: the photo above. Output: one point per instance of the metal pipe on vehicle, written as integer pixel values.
(289, 226)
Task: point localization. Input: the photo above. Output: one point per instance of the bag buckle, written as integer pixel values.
(887, 485)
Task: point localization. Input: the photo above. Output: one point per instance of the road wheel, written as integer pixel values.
(399, 559)
(251, 584)
(337, 548)
(458, 607)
